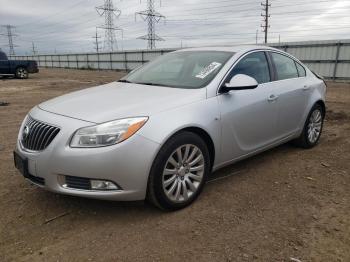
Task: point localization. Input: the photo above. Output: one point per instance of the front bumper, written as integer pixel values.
(127, 164)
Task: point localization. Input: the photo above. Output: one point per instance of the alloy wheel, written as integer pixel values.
(183, 173)
(22, 73)
(314, 126)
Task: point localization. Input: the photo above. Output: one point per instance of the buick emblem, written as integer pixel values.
(26, 131)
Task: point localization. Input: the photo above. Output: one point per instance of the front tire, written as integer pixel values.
(21, 73)
(179, 172)
(312, 128)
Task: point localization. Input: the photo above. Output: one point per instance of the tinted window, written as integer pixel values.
(285, 66)
(301, 70)
(3, 56)
(254, 65)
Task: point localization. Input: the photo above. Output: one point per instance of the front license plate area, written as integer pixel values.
(21, 164)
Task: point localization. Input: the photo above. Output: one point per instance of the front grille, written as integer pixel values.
(78, 182)
(37, 135)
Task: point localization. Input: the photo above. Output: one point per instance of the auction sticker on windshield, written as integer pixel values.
(208, 70)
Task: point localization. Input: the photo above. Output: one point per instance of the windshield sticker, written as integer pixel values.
(208, 70)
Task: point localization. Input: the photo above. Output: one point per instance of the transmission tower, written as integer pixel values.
(110, 13)
(151, 17)
(266, 17)
(97, 42)
(34, 51)
(10, 36)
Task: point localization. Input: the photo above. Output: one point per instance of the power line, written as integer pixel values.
(110, 13)
(249, 14)
(10, 36)
(152, 17)
(251, 33)
(224, 32)
(167, 20)
(266, 17)
(173, 21)
(246, 4)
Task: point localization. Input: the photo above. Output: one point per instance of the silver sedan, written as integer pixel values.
(159, 132)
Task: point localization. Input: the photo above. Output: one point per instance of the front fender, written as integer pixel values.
(203, 114)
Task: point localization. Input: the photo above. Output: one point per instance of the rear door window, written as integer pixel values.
(285, 67)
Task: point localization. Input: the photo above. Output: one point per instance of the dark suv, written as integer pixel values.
(18, 68)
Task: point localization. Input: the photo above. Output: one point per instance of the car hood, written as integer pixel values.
(120, 100)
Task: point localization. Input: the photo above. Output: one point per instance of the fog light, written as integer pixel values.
(103, 185)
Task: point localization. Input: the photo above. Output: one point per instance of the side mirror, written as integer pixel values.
(240, 82)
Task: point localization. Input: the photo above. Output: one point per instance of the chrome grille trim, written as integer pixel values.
(40, 135)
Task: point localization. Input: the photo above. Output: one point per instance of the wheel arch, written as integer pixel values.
(323, 105)
(21, 66)
(206, 138)
(316, 97)
(202, 133)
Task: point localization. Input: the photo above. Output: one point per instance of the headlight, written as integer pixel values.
(107, 134)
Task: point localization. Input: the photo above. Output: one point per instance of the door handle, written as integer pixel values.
(272, 98)
(306, 87)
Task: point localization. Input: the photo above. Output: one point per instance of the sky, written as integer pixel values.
(68, 26)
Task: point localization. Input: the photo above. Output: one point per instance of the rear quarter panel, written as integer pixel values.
(316, 93)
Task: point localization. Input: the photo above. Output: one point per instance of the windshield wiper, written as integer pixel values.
(145, 83)
(149, 84)
(124, 81)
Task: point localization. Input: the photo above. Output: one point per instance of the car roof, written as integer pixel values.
(234, 49)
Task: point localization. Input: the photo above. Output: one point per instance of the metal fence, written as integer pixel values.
(125, 60)
(330, 59)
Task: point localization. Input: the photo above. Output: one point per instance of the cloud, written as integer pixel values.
(68, 26)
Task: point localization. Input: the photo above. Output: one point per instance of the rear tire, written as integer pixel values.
(312, 128)
(21, 73)
(179, 172)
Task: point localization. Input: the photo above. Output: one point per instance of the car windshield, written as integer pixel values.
(187, 69)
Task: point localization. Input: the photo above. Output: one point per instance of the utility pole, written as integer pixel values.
(266, 17)
(110, 13)
(97, 42)
(151, 17)
(10, 36)
(34, 52)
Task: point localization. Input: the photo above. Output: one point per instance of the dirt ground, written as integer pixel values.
(281, 205)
